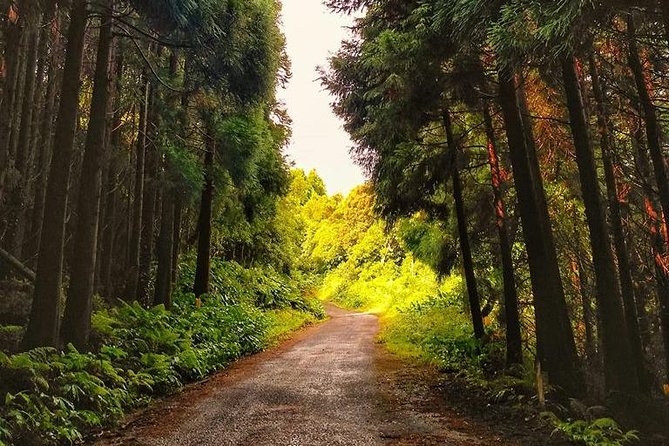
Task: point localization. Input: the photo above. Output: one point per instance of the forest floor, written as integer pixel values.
(332, 384)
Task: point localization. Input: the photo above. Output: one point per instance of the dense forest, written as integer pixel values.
(147, 239)
(535, 131)
(514, 229)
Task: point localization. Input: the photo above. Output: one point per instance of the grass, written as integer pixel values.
(282, 323)
(422, 317)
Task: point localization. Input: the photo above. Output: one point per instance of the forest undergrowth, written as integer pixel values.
(391, 272)
(139, 354)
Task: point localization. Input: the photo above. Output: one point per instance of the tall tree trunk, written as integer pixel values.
(653, 130)
(148, 204)
(39, 143)
(582, 289)
(22, 164)
(556, 348)
(465, 248)
(43, 144)
(176, 235)
(15, 124)
(163, 289)
(622, 254)
(203, 264)
(12, 35)
(649, 202)
(514, 343)
(109, 232)
(113, 196)
(179, 203)
(43, 327)
(77, 319)
(659, 250)
(136, 226)
(620, 372)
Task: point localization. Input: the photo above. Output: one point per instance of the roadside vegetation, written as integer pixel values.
(534, 134)
(513, 231)
(404, 274)
(139, 354)
(149, 233)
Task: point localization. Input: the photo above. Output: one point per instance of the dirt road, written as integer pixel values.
(331, 385)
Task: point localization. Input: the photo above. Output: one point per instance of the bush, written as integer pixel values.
(600, 432)
(52, 397)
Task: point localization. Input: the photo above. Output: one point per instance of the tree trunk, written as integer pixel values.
(582, 289)
(148, 205)
(620, 372)
(113, 197)
(176, 236)
(203, 264)
(514, 343)
(43, 327)
(130, 293)
(22, 163)
(15, 125)
(648, 201)
(109, 233)
(661, 275)
(465, 248)
(43, 143)
(77, 319)
(163, 289)
(653, 130)
(556, 349)
(40, 141)
(622, 254)
(12, 36)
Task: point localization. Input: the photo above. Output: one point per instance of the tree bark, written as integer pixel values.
(136, 226)
(43, 328)
(649, 202)
(43, 143)
(12, 35)
(110, 230)
(465, 248)
(514, 345)
(653, 130)
(176, 236)
(619, 243)
(148, 205)
(15, 124)
(77, 319)
(163, 289)
(203, 264)
(620, 372)
(22, 163)
(40, 141)
(556, 349)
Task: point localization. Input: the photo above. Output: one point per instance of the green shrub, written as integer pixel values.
(600, 432)
(51, 397)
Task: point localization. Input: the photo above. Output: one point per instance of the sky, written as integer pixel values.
(319, 141)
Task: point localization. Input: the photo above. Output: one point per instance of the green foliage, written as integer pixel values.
(600, 432)
(391, 272)
(261, 287)
(52, 397)
(437, 331)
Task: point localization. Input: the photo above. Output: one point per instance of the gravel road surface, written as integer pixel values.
(331, 385)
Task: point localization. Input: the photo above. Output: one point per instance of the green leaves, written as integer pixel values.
(52, 398)
(600, 432)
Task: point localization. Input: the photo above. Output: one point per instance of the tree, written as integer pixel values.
(43, 329)
(76, 321)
